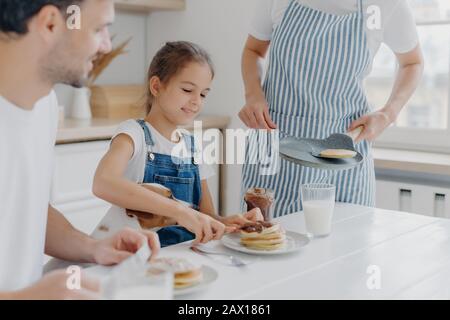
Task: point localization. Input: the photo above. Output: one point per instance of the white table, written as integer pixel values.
(411, 252)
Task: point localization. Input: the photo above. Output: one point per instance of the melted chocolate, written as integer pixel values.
(258, 226)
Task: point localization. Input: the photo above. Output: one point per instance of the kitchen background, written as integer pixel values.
(412, 158)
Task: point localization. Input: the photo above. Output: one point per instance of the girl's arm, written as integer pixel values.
(111, 185)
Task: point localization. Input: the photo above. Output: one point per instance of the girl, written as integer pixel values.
(142, 151)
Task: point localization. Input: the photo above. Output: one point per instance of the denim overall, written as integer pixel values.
(180, 175)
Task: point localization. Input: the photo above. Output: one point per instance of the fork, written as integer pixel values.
(234, 260)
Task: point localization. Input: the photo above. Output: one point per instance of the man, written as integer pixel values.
(38, 50)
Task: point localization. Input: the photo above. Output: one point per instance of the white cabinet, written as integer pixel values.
(72, 183)
(415, 198)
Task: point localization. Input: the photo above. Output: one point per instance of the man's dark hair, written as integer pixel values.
(15, 14)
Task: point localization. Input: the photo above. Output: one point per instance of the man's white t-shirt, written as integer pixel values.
(397, 28)
(27, 140)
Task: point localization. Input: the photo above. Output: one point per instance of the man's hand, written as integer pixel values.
(122, 245)
(53, 286)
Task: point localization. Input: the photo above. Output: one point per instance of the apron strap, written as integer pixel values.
(361, 8)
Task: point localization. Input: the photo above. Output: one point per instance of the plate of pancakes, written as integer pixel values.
(265, 238)
(188, 277)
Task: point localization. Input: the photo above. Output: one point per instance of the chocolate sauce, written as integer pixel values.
(260, 198)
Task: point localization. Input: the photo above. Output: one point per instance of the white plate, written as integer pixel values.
(209, 276)
(294, 242)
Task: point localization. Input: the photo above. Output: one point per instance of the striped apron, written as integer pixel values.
(314, 87)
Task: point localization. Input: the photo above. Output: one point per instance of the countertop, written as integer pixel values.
(414, 161)
(408, 255)
(73, 131)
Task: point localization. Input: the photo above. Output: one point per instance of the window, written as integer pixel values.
(424, 121)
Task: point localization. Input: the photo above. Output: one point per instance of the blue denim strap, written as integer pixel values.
(190, 143)
(147, 133)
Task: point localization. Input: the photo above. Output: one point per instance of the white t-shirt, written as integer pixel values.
(136, 166)
(116, 219)
(398, 29)
(27, 140)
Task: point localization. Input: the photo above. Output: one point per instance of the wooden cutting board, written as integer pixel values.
(118, 101)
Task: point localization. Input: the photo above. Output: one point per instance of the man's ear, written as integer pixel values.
(48, 22)
(155, 86)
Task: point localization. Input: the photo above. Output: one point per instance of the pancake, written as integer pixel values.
(185, 273)
(271, 239)
(262, 236)
(268, 247)
(338, 153)
(248, 232)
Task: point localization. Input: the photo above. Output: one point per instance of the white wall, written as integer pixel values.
(125, 69)
(221, 27)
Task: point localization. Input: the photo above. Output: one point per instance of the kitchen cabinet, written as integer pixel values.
(150, 5)
(72, 183)
(416, 198)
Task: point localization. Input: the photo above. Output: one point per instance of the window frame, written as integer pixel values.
(420, 139)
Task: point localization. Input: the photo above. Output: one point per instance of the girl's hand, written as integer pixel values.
(203, 226)
(374, 124)
(255, 113)
(238, 220)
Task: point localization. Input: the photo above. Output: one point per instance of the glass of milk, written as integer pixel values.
(148, 284)
(318, 206)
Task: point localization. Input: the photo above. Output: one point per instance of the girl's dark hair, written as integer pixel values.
(15, 14)
(171, 59)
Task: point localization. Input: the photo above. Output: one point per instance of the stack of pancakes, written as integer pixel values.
(185, 273)
(262, 235)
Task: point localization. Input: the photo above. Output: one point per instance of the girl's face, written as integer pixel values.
(182, 98)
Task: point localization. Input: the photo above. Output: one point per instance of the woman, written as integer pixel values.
(321, 51)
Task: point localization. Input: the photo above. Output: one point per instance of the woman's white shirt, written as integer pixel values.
(397, 28)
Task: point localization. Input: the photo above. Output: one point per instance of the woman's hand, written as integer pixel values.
(255, 113)
(238, 220)
(373, 125)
